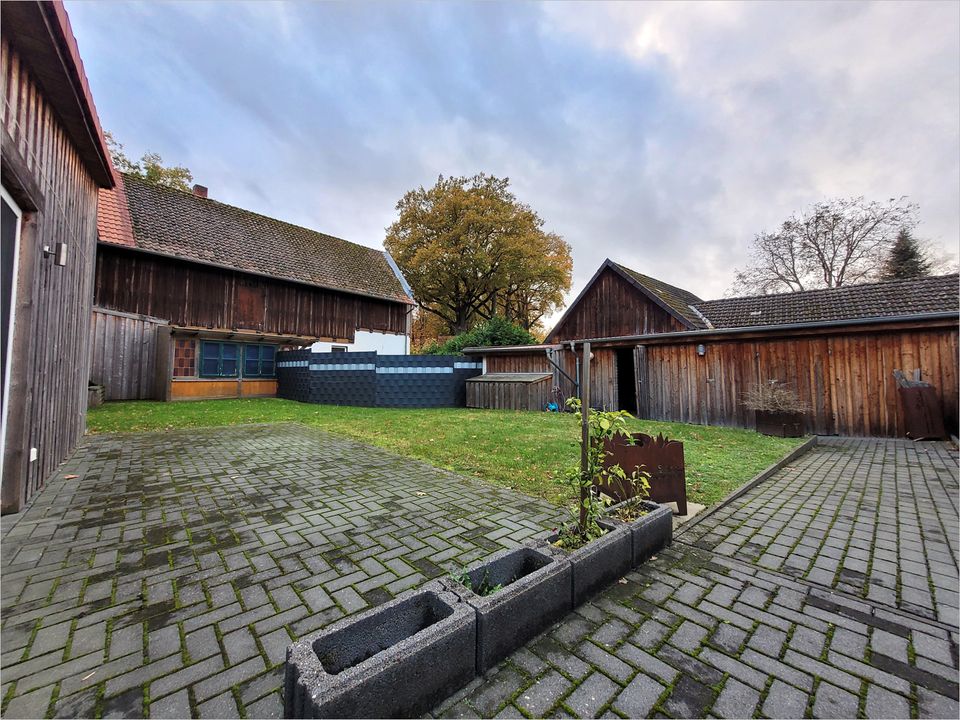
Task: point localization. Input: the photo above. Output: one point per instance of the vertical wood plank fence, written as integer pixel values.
(124, 355)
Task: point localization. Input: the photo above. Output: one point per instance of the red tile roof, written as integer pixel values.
(62, 20)
(113, 216)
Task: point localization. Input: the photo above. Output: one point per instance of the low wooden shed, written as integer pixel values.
(510, 391)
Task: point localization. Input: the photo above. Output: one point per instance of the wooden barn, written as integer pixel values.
(54, 160)
(194, 297)
(663, 353)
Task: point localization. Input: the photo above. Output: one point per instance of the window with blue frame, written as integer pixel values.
(259, 361)
(219, 359)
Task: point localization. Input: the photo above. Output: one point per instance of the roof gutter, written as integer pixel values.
(779, 328)
(60, 30)
(722, 332)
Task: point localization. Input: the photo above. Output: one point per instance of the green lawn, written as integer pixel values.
(521, 450)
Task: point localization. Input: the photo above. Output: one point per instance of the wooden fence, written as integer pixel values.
(128, 355)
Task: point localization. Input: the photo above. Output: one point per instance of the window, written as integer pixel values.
(258, 361)
(338, 348)
(219, 359)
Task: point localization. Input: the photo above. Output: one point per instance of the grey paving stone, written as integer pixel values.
(592, 694)
(808, 641)
(270, 706)
(935, 705)
(221, 706)
(888, 644)
(784, 701)
(30, 705)
(611, 632)
(489, 698)
(689, 636)
(603, 660)
(638, 698)
(176, 705)
(688, 698)
(543, 694)
(736, 700)
(832, 702)
(881, 703)
(650, 664)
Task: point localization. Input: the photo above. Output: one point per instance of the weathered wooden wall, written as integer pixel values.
(613, 307)
(845, 375)
(194, 295)
(123, 355)
(509, 395)
(50, 350)
(847, 379)
(527, 362)
(603, 372)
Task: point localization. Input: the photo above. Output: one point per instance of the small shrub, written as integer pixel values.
(483, 589)
(494, 332)
(774, 397)
(584, 524)
(632, 509)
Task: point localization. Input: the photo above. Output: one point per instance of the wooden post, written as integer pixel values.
(585, 429)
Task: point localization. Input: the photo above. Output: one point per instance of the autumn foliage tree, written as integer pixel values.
(829, 244)
(150, 167)
(471, 251)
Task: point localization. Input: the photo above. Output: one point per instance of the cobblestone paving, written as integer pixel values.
(715, 627)
(167, 578)
(873, 518)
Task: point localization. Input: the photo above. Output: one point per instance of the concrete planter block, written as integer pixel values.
(650, 533)
(535, 594)
(397, 660)
(600, 562)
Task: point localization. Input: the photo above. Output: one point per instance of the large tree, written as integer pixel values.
(906, 259)
(837, 242)
(150, 167)
(470, 250)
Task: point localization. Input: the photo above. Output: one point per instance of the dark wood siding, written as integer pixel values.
(50, 352)
(847, 379)
(509, 395)
(613, 307)
(536, 362)
(194, 295)
(845, 375)
(124, 351)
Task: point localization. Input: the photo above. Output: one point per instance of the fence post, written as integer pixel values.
(585, 430)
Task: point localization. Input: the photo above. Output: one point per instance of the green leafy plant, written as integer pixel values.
(495, 331)
(584, 524)
(483, 588)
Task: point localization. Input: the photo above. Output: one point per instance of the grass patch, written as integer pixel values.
(526, 451)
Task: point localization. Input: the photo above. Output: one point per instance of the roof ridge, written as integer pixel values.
(650, 277)
(139, 179)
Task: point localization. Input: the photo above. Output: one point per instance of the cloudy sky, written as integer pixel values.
(662, 136)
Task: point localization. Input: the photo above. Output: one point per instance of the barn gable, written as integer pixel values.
(618, 301)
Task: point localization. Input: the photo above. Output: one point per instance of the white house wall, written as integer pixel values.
(365, 341)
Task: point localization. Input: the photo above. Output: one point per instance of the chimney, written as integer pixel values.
(200, 190)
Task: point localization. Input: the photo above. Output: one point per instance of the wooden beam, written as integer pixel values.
(585, 434)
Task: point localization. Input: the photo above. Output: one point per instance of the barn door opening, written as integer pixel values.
(626, 381)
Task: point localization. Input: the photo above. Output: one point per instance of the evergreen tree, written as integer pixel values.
(906, 259)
